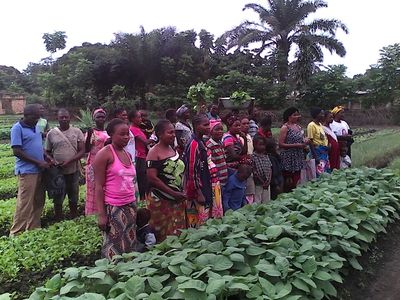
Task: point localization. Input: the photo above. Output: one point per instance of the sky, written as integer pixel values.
(372, 24)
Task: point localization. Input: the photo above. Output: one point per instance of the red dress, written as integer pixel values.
(334, 153)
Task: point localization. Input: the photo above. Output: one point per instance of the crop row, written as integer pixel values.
(36, 255)
(7, 209)
(8, 188)
(293, 248)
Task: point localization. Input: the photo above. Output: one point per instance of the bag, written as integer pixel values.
(309, 171)
(81, 169)
(54, 182)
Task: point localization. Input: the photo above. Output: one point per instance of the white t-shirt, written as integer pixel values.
(130, 148)
(340, 128)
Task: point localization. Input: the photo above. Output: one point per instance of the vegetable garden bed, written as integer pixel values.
(296, 247)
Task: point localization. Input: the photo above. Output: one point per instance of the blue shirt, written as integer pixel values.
(234, 193)
(29, 139)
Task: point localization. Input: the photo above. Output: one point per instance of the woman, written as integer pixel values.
(333, 143)
(141, 143)
(95, 140)
(292, 144)
(166, 199)
(235, 149)
(182, 127)
(115, 192)
(198, 177)
(244, 128)
(214, 145)
(318, 141)
(341, 128)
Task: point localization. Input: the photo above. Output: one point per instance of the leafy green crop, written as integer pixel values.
(8, 188)
(7, 209)
(36, 250)
(293, 248)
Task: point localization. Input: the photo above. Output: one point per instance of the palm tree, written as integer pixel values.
(282, 25)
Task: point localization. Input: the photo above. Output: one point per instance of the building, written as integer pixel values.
(11, 103)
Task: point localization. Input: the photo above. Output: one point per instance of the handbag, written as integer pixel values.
(81, 169)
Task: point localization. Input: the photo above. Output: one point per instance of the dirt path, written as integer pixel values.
(380, 279)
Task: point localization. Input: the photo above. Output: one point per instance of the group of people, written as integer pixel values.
(186, 169)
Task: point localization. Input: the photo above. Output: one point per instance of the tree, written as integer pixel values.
(55, 41)
(283, 24)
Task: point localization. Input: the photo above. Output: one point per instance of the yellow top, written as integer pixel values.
(316, 133)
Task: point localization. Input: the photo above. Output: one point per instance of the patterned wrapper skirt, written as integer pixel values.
(167, 217)
(121, 236)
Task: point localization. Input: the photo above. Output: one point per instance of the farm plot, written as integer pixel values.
(297, 247)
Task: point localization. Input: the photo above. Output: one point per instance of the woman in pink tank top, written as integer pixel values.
(115, 178)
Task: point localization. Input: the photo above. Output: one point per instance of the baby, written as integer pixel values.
(144, 233)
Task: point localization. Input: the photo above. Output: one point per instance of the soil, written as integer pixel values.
(380, 279)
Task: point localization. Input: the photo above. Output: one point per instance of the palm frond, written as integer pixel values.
(327, 25)
(332, 44)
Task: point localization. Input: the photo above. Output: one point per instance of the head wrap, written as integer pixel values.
(214, 123)
(181, 110)
(97, 111)
(337, 110)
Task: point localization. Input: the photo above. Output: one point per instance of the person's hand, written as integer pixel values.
(180, 196)
(301, 145)
(306, 141)
(102, 222)
(43, 165)
(65, 163)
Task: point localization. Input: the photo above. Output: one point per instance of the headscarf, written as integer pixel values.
(337, 110)
(214, 123)
(181, 110)
(97, 111)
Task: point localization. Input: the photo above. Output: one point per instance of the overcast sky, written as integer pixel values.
(372, 24)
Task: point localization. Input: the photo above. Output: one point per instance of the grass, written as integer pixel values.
(376, 151)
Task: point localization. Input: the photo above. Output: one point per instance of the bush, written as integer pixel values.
(295, 247)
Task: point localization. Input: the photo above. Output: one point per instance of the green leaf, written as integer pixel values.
(193, 284)
(284, 291)
(354, 263)
(255, 291)
(310, 266)
(322, 275)
(301, 285)
(236, 257)
(155, 284)
(215, 247)
(268, 269)
(222, 263)
(255, 251)
(134, 286)
(238, 286)
(268, 287)
(215, 286)
(274, 231)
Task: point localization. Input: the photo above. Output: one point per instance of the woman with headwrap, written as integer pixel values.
(95, 139)
(341, 128)
(318, 141)
(334, 149)
(183, 129)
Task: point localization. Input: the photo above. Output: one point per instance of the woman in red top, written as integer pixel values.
(141, 143)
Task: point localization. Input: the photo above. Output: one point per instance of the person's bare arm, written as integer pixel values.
(232, 153)
(102, 159)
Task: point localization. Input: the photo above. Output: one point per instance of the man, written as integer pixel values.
(213, 113)
(42, 125)
(66, 145)
(147, 126)
(254, 115)
(26, 143)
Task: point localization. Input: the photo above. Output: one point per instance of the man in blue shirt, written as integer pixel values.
(26, 143)
(234, 192)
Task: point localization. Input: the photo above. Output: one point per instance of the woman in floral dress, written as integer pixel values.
(95, 139)
(166, 200)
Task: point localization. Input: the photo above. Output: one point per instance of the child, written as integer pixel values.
(262, 170)
(234, 193)
(265, 127)
(144, 233)
(276, 185)
(214, 145)
(345, 160)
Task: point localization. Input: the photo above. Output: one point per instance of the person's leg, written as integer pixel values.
(72, 189)
(38, 203)
(266, 195)
(25, 199)
(141, 177)
(258, 194)
(58, 203)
